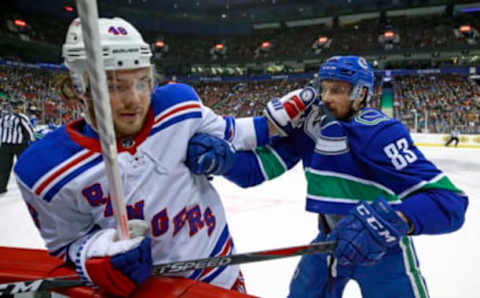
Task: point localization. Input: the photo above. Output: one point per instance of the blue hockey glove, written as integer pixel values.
(208, 155)
(285, 113)
(365, 234)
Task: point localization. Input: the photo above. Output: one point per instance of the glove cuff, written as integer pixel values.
(383, 208)
(278, 118)
(111, 280)
(78, 254)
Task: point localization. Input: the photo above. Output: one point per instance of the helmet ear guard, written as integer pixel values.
(352, 69)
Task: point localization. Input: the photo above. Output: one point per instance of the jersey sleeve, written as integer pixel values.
(59, 221)
(399, 165)
(428, 197)
(244, 133)
(264, 163)
(174, 103)
(435, 211)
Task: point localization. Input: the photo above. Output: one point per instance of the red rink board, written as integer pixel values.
(18, 264)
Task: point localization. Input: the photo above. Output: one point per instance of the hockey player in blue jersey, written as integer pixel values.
(370, 185)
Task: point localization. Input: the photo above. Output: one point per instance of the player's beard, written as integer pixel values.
(121, 127)
(126, 124)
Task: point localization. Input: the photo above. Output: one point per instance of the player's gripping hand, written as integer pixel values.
(117, 267)
(208, 155)
(285, 112)
(364, 235)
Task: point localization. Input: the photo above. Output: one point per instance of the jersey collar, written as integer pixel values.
(84, 135)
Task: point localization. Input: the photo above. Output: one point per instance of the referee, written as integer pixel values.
(453, 137)
(15, 134)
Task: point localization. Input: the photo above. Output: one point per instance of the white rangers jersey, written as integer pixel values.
(63, 182)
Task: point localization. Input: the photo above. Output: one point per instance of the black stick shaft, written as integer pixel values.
(38, 285)
(319, 247)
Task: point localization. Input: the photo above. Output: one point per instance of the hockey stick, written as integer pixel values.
(17, 287)
(248, 257)
(175, 267)
(88, 13)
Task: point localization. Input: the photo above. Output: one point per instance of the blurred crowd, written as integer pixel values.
(37, 93)
(440, 103)
(433, 103)
(433, 32)
(243, 99)
(419, 32)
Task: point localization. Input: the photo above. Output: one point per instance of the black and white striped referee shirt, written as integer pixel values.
(15, 128)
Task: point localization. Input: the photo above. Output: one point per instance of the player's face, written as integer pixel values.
(130, 92)
(130, 96)
(336, 97)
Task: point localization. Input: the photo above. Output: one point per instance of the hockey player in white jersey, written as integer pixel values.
(63, 181)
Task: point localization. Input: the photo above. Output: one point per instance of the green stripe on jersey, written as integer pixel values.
(413, 272)
(270, 162)
(439, 182)
(345, 187)
(443, 183)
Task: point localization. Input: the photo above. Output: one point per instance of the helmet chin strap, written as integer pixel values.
(88, 116)
(352, 110)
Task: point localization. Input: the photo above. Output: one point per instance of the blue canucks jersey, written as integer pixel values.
(367, 156)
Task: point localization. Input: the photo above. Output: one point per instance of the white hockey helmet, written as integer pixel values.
(122, 45)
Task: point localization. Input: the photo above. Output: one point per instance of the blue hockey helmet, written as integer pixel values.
(352, 69)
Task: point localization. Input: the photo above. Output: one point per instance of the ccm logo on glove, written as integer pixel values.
(364, 235)
(375, 224)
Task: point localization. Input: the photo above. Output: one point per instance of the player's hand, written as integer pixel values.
(209, 155)
(285, 112)
(116, 266)
(364, 235)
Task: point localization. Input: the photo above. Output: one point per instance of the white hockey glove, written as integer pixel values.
(284, 113)
(116, 266)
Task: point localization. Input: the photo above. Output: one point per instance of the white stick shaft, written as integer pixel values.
(87, 10)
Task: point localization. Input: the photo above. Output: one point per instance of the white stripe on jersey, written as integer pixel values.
(177, 110)
(63, 172)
